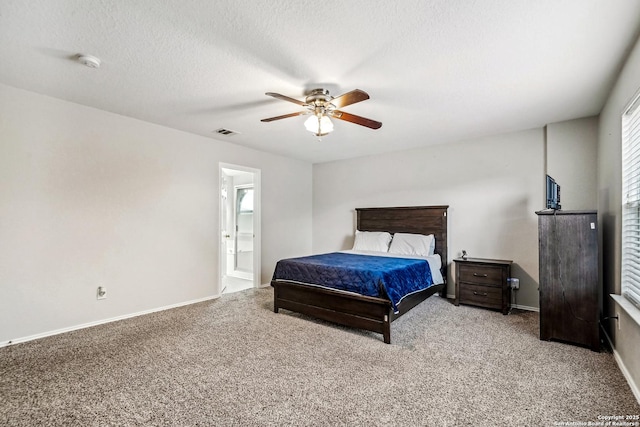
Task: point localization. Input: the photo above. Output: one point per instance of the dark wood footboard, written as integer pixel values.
(352, 310)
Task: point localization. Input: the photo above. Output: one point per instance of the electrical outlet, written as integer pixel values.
(101, 293)
(514, 283)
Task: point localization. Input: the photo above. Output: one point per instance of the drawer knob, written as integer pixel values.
(480, 275)
(484, 294)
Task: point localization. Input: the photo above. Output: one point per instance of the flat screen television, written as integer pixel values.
(553, 193)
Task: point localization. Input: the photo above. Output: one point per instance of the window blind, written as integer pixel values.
(631, 203)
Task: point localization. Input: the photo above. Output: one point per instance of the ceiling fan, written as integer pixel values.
(322, 106)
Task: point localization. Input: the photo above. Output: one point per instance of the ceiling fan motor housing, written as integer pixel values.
(319, 97)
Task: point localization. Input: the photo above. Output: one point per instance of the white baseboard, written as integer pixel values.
(101, 322)
(625, 372)
(525, 307)
(634, 387)
(521, 307)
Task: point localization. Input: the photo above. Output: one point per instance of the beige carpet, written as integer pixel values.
(233, 362)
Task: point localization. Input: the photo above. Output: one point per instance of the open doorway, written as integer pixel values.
(239, 263)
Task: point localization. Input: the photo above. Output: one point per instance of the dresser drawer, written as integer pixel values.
(485, 296)
(481, 274)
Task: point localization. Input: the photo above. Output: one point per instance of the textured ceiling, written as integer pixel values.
(437, 71)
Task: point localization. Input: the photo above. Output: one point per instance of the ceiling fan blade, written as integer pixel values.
(349, 98)
(362, 121)
(286, 98)
(270, 119)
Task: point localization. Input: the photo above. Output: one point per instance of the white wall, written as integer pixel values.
(572, 152)
(627, 338)
(90, 198)
(493, 186)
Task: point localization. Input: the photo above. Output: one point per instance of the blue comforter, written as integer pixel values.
(375, 276)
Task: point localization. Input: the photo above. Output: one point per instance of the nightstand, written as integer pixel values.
(483, 282)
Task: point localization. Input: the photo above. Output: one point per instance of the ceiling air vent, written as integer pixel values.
(226, 132)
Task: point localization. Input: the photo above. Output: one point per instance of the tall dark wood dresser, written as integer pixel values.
(569, 295)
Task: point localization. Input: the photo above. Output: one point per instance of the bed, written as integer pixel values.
(371, 313)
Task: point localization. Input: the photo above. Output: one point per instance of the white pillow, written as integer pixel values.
(377, 241)
(413, 244)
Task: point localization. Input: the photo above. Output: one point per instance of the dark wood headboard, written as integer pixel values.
(409, 219)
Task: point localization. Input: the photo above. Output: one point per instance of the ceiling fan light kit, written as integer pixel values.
(319, 125)
(323, 106)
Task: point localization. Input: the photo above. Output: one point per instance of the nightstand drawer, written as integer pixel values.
(481, 274)
(487, 296)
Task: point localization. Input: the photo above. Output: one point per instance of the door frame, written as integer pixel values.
(257, 230)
